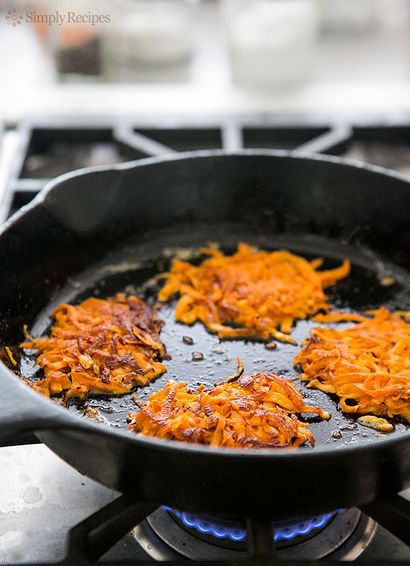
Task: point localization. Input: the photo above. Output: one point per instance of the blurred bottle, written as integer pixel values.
(271, 42)
(76, 44)
(149, 33)
(77, 51)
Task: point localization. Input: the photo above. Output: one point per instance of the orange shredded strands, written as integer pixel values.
(366, 366)
(250, 294)
(100, 346)
(10, 356)
(254, 412)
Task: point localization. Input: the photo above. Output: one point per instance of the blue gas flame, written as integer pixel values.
(235, 531)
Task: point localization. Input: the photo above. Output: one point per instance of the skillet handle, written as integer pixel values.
(23, 411)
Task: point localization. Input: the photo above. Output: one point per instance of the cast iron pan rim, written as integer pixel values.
(57, 418)
(68, 421)
(121, 167)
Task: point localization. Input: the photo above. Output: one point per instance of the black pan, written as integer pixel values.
(110, 229)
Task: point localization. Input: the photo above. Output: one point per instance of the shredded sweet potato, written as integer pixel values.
(366, 366)
(250, 294)
(254, 412)
(100, 346)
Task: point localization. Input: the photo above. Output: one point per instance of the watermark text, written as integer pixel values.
(16, 17)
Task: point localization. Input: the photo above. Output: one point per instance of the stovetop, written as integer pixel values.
(41, 497)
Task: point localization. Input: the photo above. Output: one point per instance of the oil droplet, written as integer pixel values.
(197, 356)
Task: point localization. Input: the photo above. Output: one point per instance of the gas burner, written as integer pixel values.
(235, 531)
(168, 534)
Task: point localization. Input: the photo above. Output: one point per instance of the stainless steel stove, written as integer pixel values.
(42, 499)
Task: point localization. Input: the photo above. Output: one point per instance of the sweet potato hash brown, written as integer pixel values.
(254, 412)
(366, 366)
(100, 346)
(250, 294)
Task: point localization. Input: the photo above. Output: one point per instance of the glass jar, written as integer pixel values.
(271, 42)
(75, 36)
(148, 33)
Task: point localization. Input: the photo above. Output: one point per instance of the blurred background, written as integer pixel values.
(98, 82)
(204, 56)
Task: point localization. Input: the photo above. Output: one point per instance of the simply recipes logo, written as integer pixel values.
(15, 17)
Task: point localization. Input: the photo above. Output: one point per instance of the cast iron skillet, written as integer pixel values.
(109, 229)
